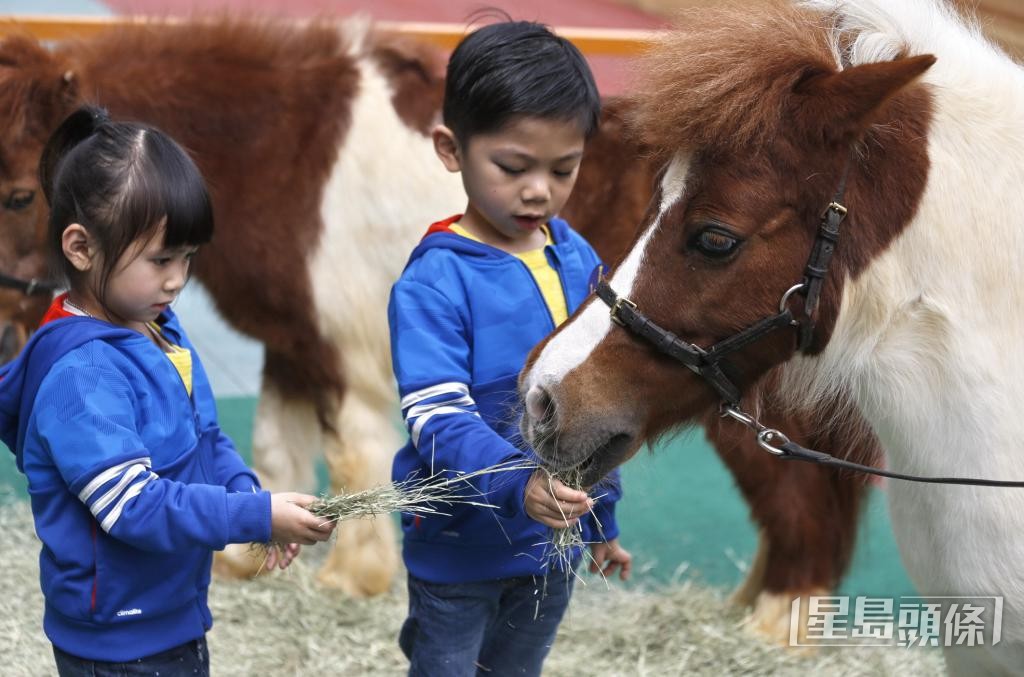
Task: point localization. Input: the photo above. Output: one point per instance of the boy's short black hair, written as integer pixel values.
(516, 68)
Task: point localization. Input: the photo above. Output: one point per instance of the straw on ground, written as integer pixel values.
(285, 624)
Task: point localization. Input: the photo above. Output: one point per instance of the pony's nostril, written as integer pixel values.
(539, 405)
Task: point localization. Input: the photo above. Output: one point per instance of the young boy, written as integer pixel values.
(478, 293)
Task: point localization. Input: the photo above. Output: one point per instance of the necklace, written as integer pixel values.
(75, 308)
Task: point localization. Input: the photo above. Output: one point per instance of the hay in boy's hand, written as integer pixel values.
(567, 542)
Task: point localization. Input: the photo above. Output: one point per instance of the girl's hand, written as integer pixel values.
(281, 555)
(290, 522)
(552, 503)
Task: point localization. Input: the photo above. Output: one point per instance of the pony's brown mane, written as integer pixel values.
(723, 74)
(243, 47)
(242, 42)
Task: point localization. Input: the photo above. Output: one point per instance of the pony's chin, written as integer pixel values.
(604, 459)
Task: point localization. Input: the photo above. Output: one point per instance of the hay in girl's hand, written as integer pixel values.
(416, 496)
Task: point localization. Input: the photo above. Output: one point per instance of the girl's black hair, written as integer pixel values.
(121, 181)
(517, 68)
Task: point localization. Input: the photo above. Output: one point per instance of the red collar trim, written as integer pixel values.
(442, 226)
(56, 310)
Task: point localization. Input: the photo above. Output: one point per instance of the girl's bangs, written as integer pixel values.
(172, 192)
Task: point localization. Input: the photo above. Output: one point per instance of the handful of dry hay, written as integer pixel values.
(428, 495)
(567, 541)
(416, 496)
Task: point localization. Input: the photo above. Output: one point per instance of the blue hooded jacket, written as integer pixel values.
(131, 482)
(463, 318)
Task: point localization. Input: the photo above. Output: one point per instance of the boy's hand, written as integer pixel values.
(281, 554)
(552, 503)
(290, 522)
(611, 556)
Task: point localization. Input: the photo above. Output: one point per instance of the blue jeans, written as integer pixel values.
(187, 660)
(500, 627)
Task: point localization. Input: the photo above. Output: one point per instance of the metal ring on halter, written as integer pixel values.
(785, 297)
(765, 438)
(736, 414)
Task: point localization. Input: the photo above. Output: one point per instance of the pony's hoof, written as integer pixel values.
(355, 581)
(771, 619)
(363, 560)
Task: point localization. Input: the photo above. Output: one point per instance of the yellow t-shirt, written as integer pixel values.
(544, 275)
(180, 357)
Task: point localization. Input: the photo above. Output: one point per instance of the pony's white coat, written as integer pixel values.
(929, 337)
(351, 272)
(929, 341)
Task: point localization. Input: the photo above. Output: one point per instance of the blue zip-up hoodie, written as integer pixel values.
(132, 486)
(463, 318)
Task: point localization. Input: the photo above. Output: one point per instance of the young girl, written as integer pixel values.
(112, 419)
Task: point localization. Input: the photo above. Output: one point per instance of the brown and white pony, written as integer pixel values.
(919, 323)
(313, 141)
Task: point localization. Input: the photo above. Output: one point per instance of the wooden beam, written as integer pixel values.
(592, 41)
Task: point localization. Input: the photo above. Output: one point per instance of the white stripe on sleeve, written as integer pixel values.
(417, 427)
(116, 490)
(111, 519)
(110, 473)
(434, 391)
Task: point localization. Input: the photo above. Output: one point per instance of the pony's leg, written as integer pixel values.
(807, 517)
(746, 594)
(364, 556)
(286, 439)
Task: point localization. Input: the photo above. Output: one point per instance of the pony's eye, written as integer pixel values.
(19, 199)
(714, 243)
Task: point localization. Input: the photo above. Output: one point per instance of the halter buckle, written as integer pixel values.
(835, 207)
(617, 308)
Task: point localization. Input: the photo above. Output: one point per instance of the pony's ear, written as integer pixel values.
(835, 106)
(42, 87)
(55, 97)
(417, 72)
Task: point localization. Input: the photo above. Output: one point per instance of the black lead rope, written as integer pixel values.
(788, 450)
(794, 452)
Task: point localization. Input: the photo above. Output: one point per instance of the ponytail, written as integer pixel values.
(75, 129)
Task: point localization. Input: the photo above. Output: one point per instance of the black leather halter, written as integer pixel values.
(705, 362)
(709, 362)
(30, 287)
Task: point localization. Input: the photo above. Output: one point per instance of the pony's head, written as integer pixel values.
(36, 91)
(759, 119)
